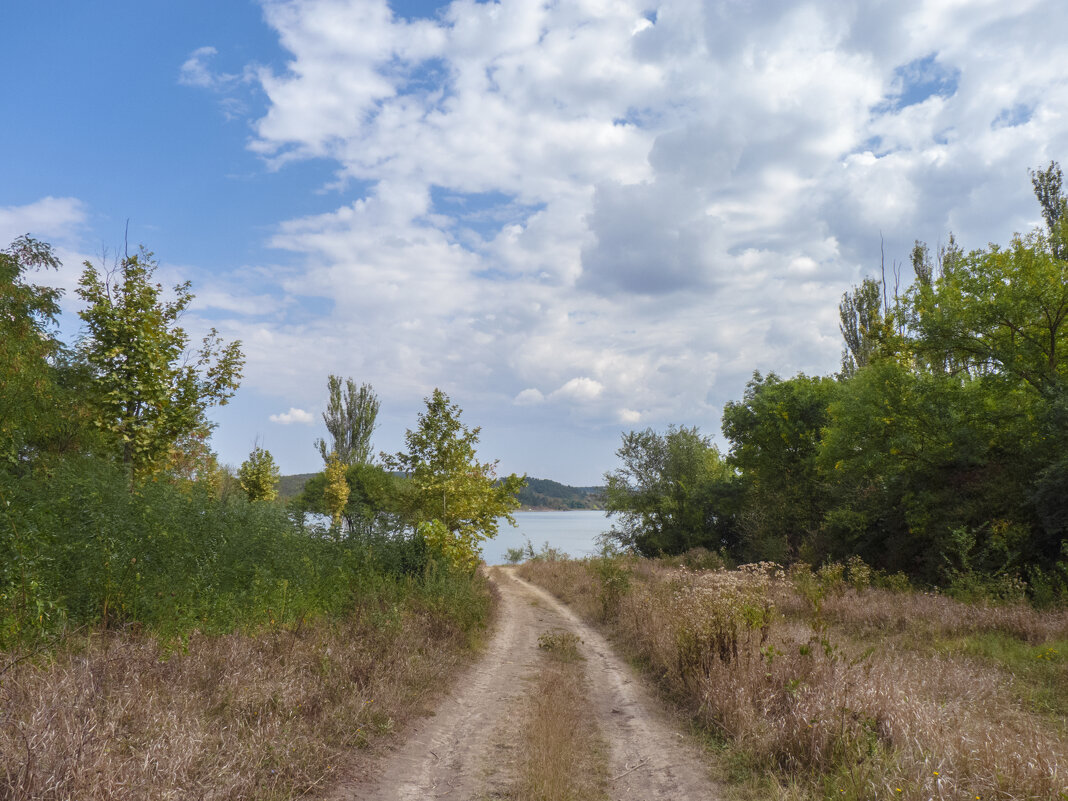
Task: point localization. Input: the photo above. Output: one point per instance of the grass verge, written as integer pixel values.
(563, 756)
(825, 689)
(271, 715)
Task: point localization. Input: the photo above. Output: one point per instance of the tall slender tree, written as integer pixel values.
(350, 419)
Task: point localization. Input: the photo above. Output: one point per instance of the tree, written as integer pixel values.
(861, 322)
(775, 434)
(336, 489)
(374, 503)
(1048, 186)
(999, 312)
(350, 419)
(459, 499)
(27, 344)
(671, 494)
(149, 391)
(259, 475)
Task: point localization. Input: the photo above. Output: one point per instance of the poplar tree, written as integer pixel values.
(350, 419)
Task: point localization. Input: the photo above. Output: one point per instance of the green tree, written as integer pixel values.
(40, 386)
(374, 505)
(908, 457)
(673, 492)
(775, 434)
(259, 475)
(999, 312)
(862, 324)
(149, 392)
(458, 499)
(350, 419)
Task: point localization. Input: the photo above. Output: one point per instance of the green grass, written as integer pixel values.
(1040, 672)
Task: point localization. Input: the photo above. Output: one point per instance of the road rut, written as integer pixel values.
(467, 750)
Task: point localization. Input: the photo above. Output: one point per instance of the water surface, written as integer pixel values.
(574, 533)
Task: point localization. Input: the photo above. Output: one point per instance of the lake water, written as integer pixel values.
(575, 533)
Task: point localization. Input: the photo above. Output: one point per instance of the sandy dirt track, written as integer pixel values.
(467, 750)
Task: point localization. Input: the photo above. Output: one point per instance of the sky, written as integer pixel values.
(577, 217)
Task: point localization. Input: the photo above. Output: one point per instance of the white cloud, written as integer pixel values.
(196, 71)
(50, 219)
(293, 416)
(529, 397)
(637, 209)
(578, 389)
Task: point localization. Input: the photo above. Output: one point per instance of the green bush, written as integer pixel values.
(79, 545)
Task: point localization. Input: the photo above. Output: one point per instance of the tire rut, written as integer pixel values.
(467, 750)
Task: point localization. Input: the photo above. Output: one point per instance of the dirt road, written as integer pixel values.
(466, 752)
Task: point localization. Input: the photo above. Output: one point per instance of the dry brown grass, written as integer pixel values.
(876, 611)
(563, 757)
(267, 717)
(839, 714)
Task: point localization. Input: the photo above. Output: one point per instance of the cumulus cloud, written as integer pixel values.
(610, 208)
(579, 389)
(529, 397)
(50, 218)
(292, 417)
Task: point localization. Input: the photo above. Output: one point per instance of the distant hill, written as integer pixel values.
(288, 486)
(544, 493)
(539, 493)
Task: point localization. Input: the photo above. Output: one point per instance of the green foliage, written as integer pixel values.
(78, 547)
(936, 455)
(350, 418)
(776, 434)
(39, 387)
(999, 312)
(456, 500)
(148, 392)
(376, 502)
(668, 494)
(259, 475)
(863, 325)
(115, 514)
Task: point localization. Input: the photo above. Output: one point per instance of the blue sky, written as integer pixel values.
(575, 218)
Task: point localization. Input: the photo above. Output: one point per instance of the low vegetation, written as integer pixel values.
(563, 757)
(271, 714)
(168, 629)
(847, 689)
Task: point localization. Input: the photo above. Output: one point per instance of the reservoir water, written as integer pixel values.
(574, 532)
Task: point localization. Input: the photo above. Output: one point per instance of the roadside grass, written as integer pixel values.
(270, 714)
(810, 685)
(1040, 672)
(563, 756)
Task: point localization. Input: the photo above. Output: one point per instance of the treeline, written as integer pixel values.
(114, 511)
(940, 450)
(544, 493)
